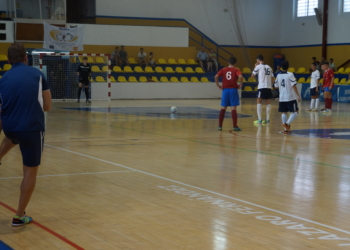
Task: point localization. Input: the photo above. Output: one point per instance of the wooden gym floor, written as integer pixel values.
(127, 175)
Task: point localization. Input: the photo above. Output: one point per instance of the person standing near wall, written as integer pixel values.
(23, 120)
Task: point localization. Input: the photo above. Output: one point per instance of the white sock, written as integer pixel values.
(317, 103)
(268, 111)
(292, 117)
(284, 118)
(312, 103)
(259, 108)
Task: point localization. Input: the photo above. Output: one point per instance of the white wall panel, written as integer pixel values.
(9, 32)
(135, 35)
(261, 18)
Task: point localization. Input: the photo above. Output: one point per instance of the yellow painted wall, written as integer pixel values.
(159, 52)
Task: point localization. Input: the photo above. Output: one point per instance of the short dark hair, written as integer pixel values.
(232, 60)
(260, 58)
(117, 47)
(85, 58)
(315, 64)
(122, 46)
(314, 58)
(141, 49)
(151, 53)
(325, 63)
(16, 53)
(285, 65)
(331, 59)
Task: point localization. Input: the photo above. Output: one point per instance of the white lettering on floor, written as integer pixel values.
(275, 220)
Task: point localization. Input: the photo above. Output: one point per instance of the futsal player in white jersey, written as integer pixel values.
(314, 90)
(266, 79)
(285, 82)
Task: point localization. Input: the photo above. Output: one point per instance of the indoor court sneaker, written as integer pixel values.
(17, 221)
(309, 110)
(325, 111)
(237, 129)
(258, 122)
(314, 110)
(266, 121)
(88, 101)
(220, 128)
(285, 132)
(286, 127)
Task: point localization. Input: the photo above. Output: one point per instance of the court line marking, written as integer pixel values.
(202, 189)
(72, 244)
(208, 143)
(50, 175)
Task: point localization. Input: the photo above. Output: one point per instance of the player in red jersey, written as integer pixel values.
(229, 88)
(328, 84)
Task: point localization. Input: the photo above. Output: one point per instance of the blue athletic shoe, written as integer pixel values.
(237, 129)
(258, 122)
(266, 121)
(220, 128)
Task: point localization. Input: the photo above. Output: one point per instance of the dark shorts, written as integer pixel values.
(264, 94)
(313, 92)
(84, 81)
(230, 98)
(31, 144)
(291, 106)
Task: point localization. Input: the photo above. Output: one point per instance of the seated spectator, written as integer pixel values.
(123, 57)
(202, 58)
(332, 65)
(151, 60)
(212, 61)
(149, 79)
(115, 56)
(142, 57)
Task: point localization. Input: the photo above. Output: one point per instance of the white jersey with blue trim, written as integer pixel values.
(314, 77)
(285, 82)
(265, 73)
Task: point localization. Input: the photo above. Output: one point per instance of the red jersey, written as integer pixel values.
(229, 77)
(327, 77)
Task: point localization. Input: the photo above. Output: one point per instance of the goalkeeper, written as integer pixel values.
(84, 73)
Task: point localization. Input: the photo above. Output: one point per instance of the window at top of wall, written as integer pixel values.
(346, 6)
(306, 7)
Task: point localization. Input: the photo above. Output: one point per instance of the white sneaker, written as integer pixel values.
(325, 111)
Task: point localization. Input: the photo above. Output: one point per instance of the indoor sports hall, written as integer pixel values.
(139, 162)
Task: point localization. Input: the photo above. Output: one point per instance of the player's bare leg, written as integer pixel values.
(79, 91)
(27, 188)
(221, 117)
(5, 147)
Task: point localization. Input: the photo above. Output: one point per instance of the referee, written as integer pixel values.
(25, 95)
(84, 72)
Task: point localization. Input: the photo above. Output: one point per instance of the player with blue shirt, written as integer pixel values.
(25, 95)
